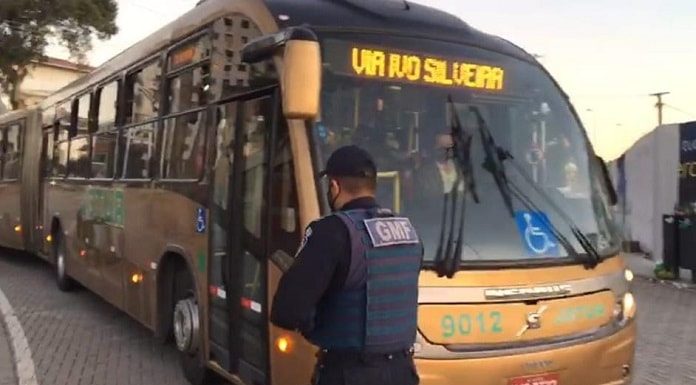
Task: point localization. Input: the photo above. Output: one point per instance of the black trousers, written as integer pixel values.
(383, 369)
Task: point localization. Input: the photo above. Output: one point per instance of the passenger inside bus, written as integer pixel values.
(408, 130)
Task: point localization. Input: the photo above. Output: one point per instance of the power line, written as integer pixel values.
(680, 110)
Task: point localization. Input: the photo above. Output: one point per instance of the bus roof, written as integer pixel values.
(390, 16)
(398, 17)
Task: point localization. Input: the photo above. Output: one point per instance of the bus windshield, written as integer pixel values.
(399, 98)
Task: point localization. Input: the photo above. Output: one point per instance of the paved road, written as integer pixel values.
(666, 350)
(76, 338)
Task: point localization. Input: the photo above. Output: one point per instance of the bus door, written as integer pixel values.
(239, 237)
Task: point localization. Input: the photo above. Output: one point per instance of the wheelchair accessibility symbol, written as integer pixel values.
(201, 221)
(537, 237)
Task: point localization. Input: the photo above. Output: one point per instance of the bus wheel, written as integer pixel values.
(64, 282)
(187, 330)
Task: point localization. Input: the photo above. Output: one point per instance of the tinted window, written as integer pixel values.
(183, 147)
(108, 99)
(143, 93)
(78, 159)
(13, 150)
(138, 148)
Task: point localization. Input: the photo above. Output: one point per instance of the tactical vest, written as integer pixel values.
(376, 309)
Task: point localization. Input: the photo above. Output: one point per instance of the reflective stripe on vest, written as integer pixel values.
(376, 310)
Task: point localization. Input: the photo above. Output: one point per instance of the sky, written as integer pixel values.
(607, 55)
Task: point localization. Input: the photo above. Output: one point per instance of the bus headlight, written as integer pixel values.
(629, 306)
(628, 274)
(625, 309)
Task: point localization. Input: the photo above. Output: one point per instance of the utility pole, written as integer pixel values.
(659, 105)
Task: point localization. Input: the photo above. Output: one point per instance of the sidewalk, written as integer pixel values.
(7, 375)
(643, 267)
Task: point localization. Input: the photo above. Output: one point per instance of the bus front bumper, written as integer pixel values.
(606, 361)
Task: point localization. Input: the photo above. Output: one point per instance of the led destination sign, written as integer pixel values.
(413, 68)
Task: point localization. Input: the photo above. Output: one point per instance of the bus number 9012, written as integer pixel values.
(465, 324)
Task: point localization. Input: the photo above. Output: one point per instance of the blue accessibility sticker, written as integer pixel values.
(537, 237)
(391, 231)
(201, 221)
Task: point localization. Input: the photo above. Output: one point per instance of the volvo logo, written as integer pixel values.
(533, 320)
(527, 292)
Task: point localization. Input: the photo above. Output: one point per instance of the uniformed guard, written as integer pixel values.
(353, 288)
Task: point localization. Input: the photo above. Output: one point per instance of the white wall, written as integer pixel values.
(42, 80)
(651, 186)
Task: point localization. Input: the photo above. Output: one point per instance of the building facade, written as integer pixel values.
(44, 78)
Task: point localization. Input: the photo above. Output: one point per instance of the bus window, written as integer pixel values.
(107, 102)
(255, 126)
(183, 147)
(222, 169)
(83, 107)
(47, 148)
(78, 158)
(13, 150)
(285, 221)
(105, 139)
(104, 154)
(189, 89)
(192, 52)
(138, 148)
(143, 93)
(60, 160)
(2, 149)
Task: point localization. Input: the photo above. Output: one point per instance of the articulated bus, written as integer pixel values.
(176, 179)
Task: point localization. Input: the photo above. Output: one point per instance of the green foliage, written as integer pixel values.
(662, 272)
(27, 26)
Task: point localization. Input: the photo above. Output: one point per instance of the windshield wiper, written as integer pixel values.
(495, 155)
(493, 162)
(447, 258)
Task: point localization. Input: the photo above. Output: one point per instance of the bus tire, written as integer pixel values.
(187, 329)
(60, 259)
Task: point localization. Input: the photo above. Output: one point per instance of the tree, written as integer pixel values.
(27, 27)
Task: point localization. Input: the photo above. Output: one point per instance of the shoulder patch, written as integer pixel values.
(391, 231)
(305, 238)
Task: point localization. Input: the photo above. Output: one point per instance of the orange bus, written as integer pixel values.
(176, 179)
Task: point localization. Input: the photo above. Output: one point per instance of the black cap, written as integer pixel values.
(350, 161)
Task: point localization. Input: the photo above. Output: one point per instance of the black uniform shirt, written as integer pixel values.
(321, 265)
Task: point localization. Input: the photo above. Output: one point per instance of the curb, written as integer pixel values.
(643, 267)
(7, 362)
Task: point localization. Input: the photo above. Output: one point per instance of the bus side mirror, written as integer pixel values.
(301, 79)
(613, 197)
(301, 74)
